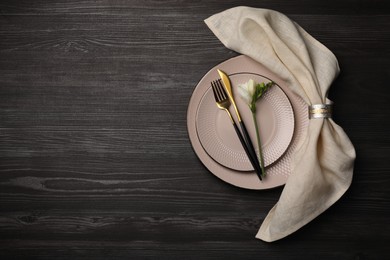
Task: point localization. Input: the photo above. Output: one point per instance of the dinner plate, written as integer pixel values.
(275, 119)
(279, 171)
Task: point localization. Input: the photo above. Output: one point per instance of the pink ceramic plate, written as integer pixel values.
(275, 118)
(278, 172)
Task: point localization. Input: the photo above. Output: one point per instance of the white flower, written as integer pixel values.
(250, 92)
(251, 87)
(244, 92)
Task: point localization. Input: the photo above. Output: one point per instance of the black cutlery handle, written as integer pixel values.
(252, 159)
(251, 149)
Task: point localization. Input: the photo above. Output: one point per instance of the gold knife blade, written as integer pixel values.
(226, 82)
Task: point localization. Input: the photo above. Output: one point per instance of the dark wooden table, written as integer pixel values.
(95, 160)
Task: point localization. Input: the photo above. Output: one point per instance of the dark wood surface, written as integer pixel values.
(95, 160)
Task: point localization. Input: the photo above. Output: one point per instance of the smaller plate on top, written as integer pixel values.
(275, 117)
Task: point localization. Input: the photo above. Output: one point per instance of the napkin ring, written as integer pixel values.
(320, 111)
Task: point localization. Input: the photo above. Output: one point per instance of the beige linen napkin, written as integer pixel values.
(322, 166)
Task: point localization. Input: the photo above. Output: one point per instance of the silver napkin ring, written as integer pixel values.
(320, 111)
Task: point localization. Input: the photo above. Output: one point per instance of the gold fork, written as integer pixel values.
(223, 102)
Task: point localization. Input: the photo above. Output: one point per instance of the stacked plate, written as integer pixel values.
(282, 119)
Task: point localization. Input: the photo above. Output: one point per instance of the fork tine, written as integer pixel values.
(213, 85)
(218, 88)
(219, 95)
(221, 89)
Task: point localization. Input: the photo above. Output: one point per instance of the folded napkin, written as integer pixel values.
(322, 167)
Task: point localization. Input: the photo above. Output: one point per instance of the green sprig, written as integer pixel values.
(260, 89)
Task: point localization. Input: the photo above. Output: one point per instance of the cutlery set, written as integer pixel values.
(223, 95)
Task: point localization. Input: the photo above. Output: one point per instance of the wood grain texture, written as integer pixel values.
(95, 160)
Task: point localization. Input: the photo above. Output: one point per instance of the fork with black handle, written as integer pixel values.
(223, 102)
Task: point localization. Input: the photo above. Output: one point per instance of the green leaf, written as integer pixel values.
(261, 88)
